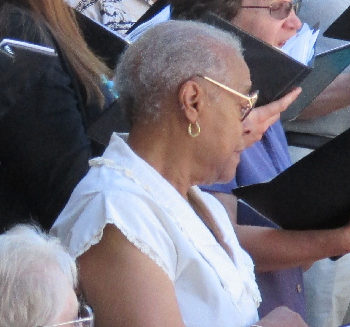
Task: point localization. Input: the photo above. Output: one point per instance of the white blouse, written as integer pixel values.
(212, 288)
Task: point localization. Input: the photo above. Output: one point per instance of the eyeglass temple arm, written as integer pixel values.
(229, 89)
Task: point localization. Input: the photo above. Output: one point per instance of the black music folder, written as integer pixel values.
(274, 73)
(104, 42)
(15, 58)
(314, 193)
(327, 66)
(340, 28)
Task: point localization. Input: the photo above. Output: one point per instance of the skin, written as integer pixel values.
(261, 118)
(259, 23)
(214, 109)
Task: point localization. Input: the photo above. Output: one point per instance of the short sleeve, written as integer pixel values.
(141, 221)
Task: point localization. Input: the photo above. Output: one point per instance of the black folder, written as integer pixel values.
(273, 72)
(340, 28)
(19, 50)
(314, 193)
(105, 43)
(327, 66)
(111, 120)
(15, 58)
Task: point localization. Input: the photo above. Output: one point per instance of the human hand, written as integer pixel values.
(282, 317)
(261, 118)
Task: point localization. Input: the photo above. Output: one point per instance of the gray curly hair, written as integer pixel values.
(32, 265)
(166, 56)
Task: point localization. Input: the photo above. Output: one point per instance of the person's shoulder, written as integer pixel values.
(94, 205)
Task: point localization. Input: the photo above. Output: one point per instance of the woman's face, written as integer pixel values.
(222, 126)
(261, 24)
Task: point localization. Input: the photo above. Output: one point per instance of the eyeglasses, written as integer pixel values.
(86, 319)
(251, 98)
(280, 9)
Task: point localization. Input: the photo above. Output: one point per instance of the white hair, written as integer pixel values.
(32, 268)
(166, 56)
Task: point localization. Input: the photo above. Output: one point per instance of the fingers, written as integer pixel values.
(271, 121)
(263, 117)
(289, 98)
(276, 107)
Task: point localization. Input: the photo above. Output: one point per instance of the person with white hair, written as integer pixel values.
(37, 281)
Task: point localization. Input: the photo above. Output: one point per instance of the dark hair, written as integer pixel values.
(194, 9)
(58, 18)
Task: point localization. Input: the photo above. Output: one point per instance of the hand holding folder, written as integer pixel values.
(314, 193)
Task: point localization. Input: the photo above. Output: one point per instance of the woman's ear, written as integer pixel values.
(191, 99)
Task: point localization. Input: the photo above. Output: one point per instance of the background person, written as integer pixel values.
(48, 106)
(37, 280)
(153, 249)
(279, 275)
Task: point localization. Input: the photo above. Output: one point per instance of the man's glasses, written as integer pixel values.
(280, 9)
(251, 99)
(86, 319)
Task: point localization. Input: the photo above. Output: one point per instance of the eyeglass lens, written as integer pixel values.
(281, 9)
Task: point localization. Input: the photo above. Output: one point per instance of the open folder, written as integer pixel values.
(314, 193)
(274, 73)
(327, 66)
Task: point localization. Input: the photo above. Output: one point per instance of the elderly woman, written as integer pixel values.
(37, 281)
(153, 249)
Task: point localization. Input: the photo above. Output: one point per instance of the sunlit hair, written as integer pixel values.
(58, 18)
(194, 10)
(164, 58)
(33, 267)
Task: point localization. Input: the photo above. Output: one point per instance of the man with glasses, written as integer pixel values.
(279, 255)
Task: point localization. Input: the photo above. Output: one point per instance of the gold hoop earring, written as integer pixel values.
(190, 131)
